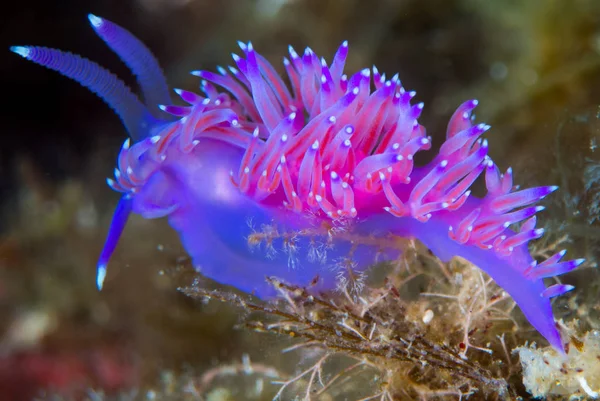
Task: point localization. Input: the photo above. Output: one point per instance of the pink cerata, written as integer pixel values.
(252, 157)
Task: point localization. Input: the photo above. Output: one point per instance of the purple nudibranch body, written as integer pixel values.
(258, 161)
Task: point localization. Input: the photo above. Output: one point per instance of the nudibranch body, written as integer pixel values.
(316, 175)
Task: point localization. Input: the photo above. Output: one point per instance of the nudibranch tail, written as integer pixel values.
(94, 77)
(317, 174)
(138, 58)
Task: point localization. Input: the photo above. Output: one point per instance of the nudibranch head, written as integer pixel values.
(261, 161)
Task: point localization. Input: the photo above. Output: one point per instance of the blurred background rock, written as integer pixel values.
(533, 64)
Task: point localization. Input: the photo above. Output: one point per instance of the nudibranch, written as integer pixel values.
(263, 178)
